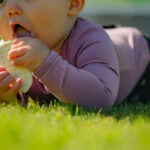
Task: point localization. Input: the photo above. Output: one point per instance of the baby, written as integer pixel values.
(71, 58)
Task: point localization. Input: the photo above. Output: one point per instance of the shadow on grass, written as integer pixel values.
(132, 110)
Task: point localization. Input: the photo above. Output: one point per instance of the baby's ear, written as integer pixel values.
(76, 7)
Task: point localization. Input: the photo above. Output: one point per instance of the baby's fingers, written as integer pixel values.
(17, 52)
(5, 80)
(16, 85)
(3, 75)
(2, 68)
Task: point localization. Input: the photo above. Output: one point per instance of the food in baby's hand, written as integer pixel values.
(16, 72)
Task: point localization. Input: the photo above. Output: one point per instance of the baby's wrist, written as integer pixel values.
(43, 66)
(40, 61)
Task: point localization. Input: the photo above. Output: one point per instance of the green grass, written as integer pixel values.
(66, 127)
(115, 1)
(101, 1)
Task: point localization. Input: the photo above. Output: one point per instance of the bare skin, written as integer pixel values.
(28, 52)
(49, 21)
(8, 86)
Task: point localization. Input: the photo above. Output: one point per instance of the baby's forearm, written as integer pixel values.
(77, 86)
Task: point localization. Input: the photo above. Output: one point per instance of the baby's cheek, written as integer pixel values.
(40, 15)
(37, 14)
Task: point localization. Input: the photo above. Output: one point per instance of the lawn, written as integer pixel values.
(119, 3)
(116, 1)
(66, 127)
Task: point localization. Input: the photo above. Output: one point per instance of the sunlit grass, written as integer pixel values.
(66, 127)
(116, 1)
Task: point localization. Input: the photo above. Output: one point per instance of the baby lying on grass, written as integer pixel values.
(71, 59)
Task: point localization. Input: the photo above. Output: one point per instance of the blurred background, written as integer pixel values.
(135, 13)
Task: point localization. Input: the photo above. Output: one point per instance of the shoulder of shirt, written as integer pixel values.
(84, 33)
(86, 28)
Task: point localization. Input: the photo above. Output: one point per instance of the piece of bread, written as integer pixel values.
(16, 72)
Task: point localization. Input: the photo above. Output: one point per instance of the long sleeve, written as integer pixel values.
(95, 69)
(92, 81)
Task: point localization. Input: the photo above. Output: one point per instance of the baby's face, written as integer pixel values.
(46, 20)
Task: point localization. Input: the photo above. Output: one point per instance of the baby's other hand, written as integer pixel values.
(28, 52)
(9, 87)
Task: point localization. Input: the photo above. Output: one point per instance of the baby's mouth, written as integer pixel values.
(20, 31)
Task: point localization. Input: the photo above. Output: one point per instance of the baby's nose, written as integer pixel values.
(13, 9)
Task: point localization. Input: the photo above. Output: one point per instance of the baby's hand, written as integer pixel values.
(9, 87)
(28, 52)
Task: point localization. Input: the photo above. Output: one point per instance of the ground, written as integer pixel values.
(67, 127)
(116, 1)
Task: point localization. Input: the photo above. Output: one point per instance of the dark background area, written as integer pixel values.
(127, 14)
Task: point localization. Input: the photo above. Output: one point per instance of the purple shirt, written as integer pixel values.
(96, 68)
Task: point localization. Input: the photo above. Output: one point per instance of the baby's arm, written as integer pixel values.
(92, 83)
